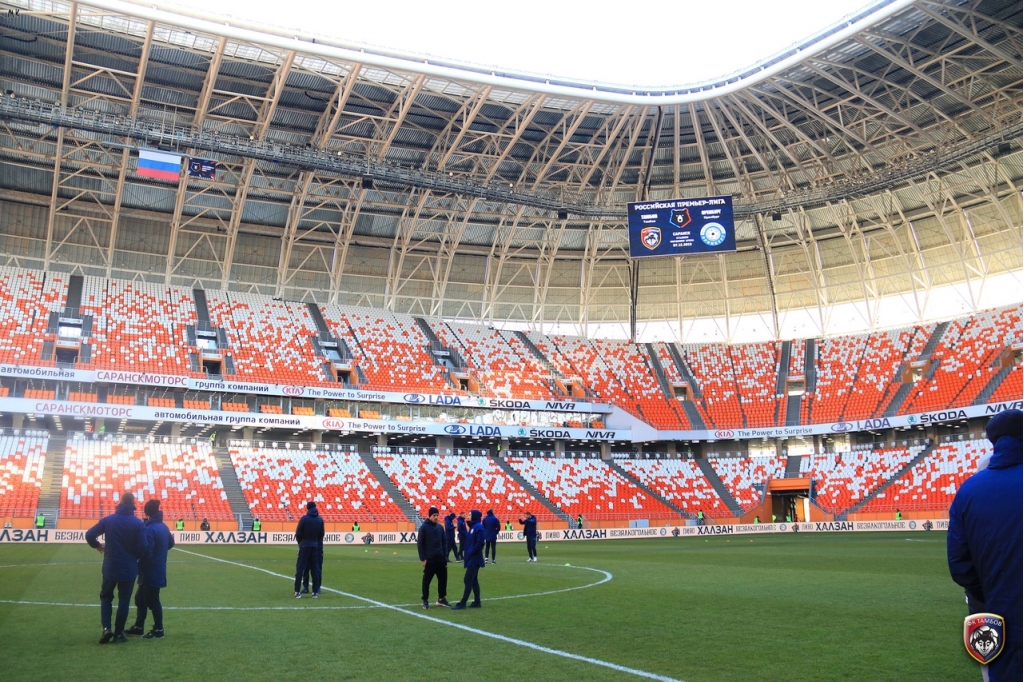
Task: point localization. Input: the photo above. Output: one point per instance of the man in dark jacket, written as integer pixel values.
(492, 526)
(432, 545)
(449, 534)
(309, 535)
(530, 531)
(126, 543)
(984, 542)
(473, 560)
(152, 573)
(463, 532)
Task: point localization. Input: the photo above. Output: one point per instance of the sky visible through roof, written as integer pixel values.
(643, 43)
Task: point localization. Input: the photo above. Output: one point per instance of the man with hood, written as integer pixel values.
(125, 543)
(492, 526)
(152, 573)
(463, 532)
(432, 545)
(473, 560)
(309, 535)
(984, 542)
(530, 533)
(449, 534)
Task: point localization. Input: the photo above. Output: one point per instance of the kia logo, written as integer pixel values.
(334, 424)
(292, 390)
(455, 429)
(413, 398)
(724, 434)
(842, 427)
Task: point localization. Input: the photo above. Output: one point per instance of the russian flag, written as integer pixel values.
(159, 165)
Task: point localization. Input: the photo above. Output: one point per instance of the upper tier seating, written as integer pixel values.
(183, 476)
(21, 473)
(499, 360)
(278, 482)
(269, 340)
(589, 487)
(1010, 388)
(138, 326)
(757, 369)
(878, 376)
(932, 483)
(745, 478)
(712, 367)
(680, 481)
(23, 318)
(456, 483)
(843, 480)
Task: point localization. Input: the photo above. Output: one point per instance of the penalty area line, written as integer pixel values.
(459, 626)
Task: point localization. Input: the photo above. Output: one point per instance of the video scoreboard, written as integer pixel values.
(678, 227)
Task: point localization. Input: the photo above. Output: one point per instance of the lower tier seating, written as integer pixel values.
(680, 481)
(841, 480)
(932, 483)
(22, 458)
(745, 478)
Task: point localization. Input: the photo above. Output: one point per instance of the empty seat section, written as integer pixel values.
(712, 367)
(841, 480)
(182, 475)
(22, 458)
(878, 376)
(589, 487)
(278, 482)
(456, 483)
(756, 366)
(932, 483)
(630, 363)
(22, 320)
(680, 481)
(838, 361)
(746, 477)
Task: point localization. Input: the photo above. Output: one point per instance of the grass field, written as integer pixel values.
(822, 607)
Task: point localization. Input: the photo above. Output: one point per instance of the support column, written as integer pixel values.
(17, 421)
(318, 436)
(559, 448)
(175, 429)
(444, 445)
(606, 451)
(503, 453)
(382, 439)
(248, 432)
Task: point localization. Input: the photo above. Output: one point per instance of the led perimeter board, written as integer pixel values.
(677, 227)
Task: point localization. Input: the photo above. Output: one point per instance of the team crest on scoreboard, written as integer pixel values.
(650, 237)
(983, 636)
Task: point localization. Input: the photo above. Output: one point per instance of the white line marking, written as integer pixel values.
(475, 631)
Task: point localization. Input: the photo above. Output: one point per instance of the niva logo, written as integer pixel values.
(454, 429)
(413, 398)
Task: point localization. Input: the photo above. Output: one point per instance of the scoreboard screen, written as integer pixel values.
(677, 227)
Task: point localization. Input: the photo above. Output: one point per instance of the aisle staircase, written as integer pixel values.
(53, 481)
(650, 491)
(529, 487)
(396, 495)
(716, 483)
(232, 488)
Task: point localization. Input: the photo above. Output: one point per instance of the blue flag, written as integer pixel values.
(202, 168)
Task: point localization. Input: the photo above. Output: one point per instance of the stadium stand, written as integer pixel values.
(841, 480)
(589, 487)
(932, 483)
(277, 482)
(22, 322)
(182, 475)
(756, 367)
(746, 477)
(22, 458)
(459, 483)
(712, 367)
(680, 481)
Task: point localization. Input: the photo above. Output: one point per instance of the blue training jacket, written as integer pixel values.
(984, 547)
(529, 526)
(153, 568)
(473, 554)
(492, 526)
(125, 542)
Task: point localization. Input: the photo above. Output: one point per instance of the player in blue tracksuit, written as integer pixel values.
(492, 526)
(152, 574)
(529, 522)
(473, 560)
(309, 535)
(125, 543)
(449, 534)
(984, 542)
(463, 532)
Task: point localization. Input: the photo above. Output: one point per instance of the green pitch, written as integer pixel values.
(809, 607)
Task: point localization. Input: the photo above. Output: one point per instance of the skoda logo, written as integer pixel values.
(455, 429)
(292, 390)
(413, 398)
(842, 427)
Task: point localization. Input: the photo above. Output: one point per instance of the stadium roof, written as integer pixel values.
(873, 171)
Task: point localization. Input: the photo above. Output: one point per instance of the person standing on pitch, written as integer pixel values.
(126, 543)
(492, 526)
(984, 543)
(309, 569)
(309, 535)
(473, 560)
(530, 531)
(463, 532)
(432, 545)
(449, 535)
(152, 574)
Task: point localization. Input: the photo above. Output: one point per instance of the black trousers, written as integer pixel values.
(147, 598)
(531, 546)
(472, 582)
(308, 558)
(305, 576)
(462, 548)
(124, 603)
(452, 547)
(438, 567)
(492, 547)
